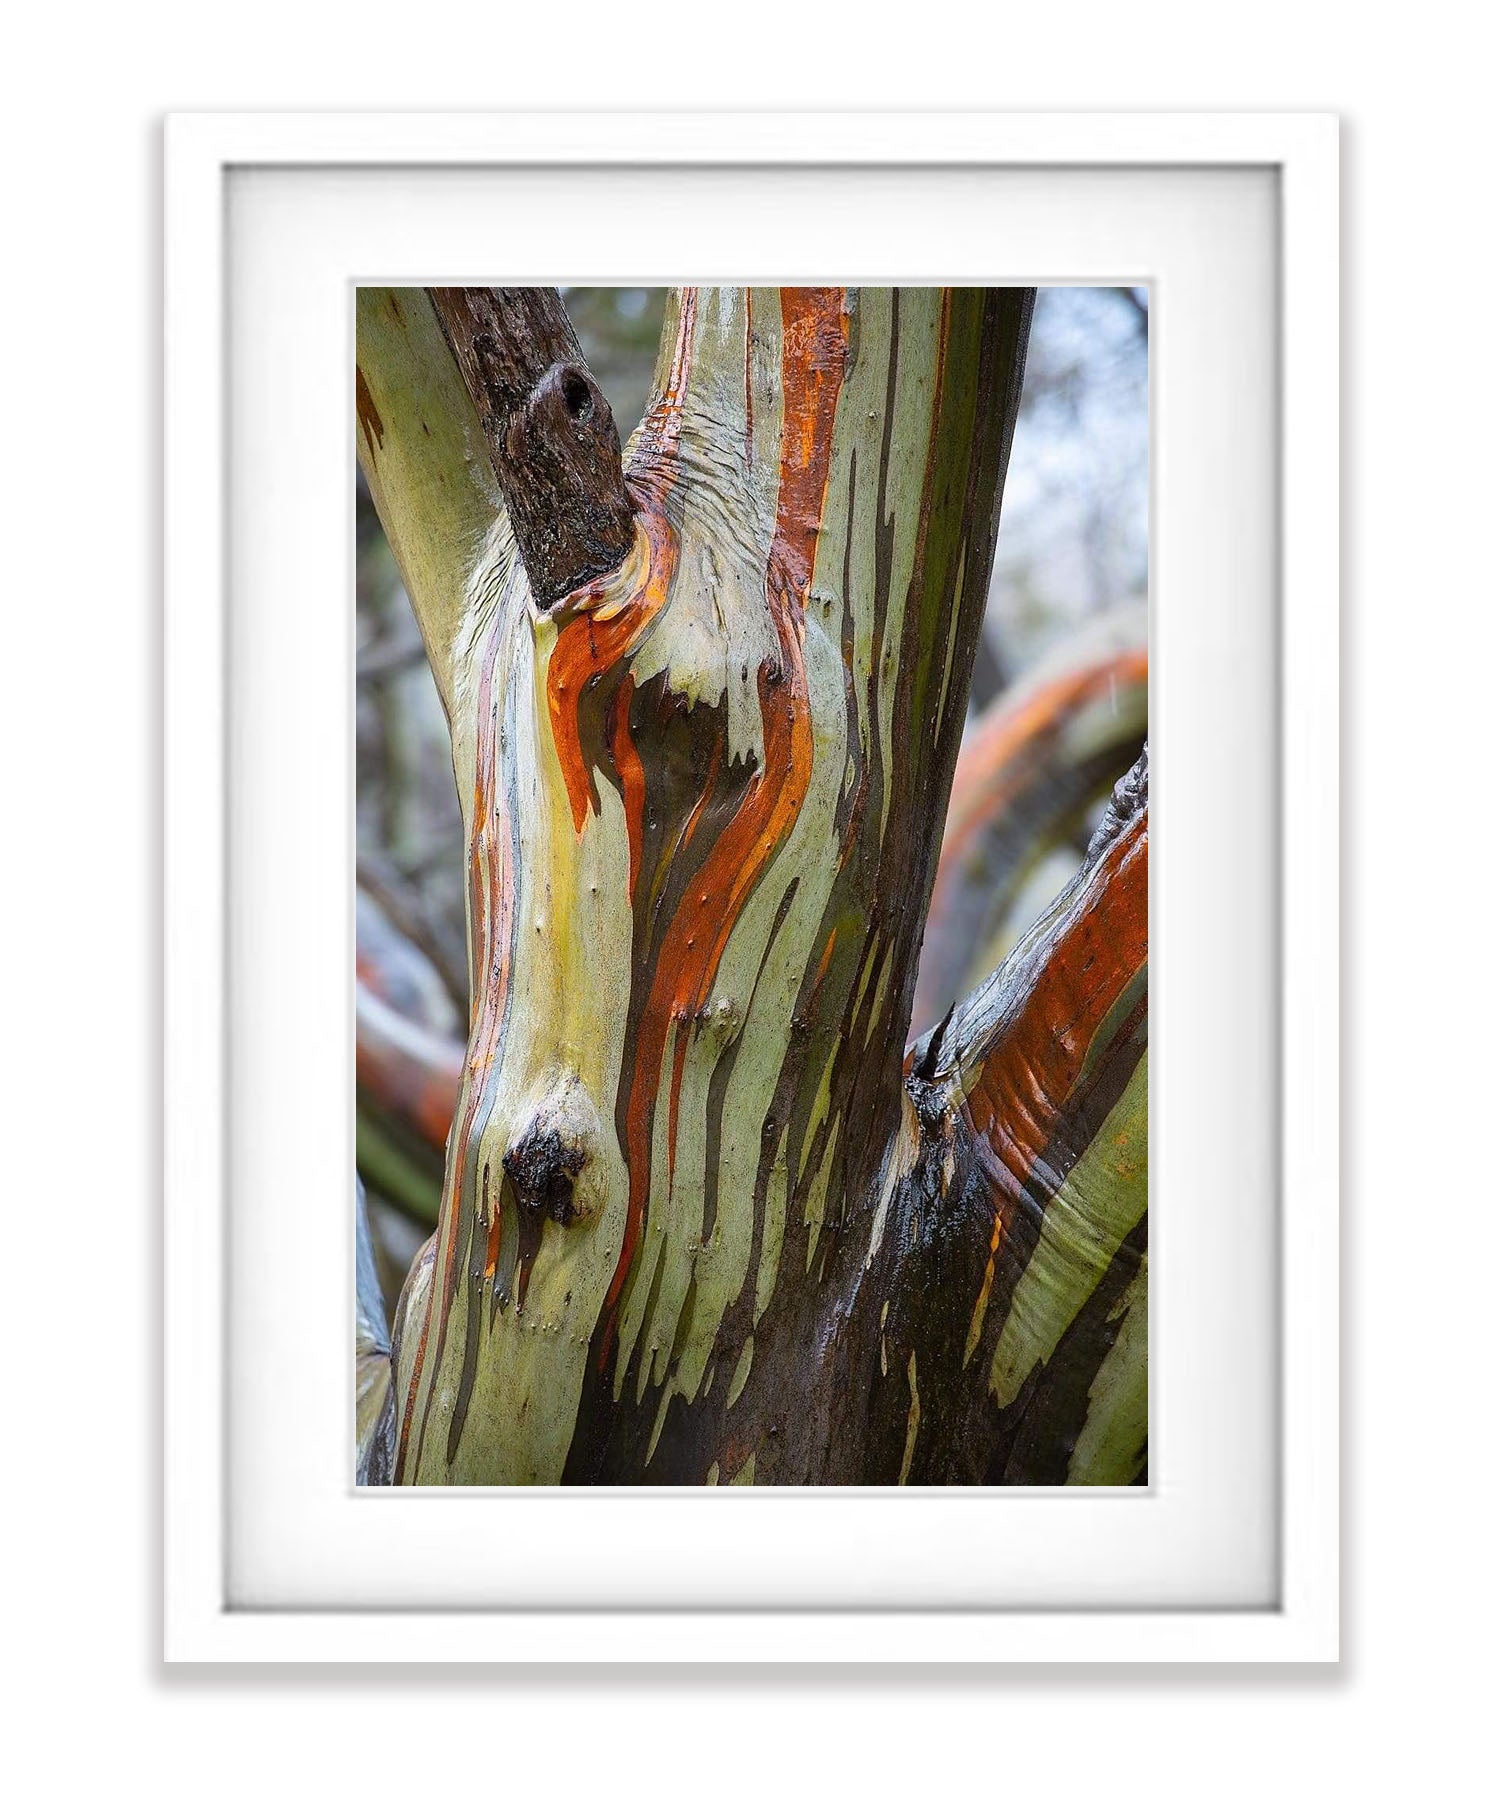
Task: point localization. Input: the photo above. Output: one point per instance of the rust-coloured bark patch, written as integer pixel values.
(366, 412)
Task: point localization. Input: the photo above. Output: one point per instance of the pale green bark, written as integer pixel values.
(422, 449)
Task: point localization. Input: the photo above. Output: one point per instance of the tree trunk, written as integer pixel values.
(702, 1219)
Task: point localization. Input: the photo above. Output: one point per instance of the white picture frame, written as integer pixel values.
(235, 1589)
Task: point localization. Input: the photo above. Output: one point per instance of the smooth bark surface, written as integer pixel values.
(421, 446)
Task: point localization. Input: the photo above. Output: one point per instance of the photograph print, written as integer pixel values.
(751, 886)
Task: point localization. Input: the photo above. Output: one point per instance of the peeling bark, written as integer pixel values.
(701, 1222)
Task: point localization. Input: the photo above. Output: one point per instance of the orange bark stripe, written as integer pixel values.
(588, 645)
(492, 1243)
(814, 355)
(827, 956)
(1032, 1069)
(632, 776)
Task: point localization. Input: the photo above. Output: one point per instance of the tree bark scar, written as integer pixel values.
(543, 1168)
(552, 439)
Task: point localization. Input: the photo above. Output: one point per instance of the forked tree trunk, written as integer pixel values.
(703, 1220)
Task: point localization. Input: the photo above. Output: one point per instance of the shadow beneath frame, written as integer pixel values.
(743, 1678)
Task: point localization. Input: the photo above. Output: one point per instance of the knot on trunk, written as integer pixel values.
(543, 1167)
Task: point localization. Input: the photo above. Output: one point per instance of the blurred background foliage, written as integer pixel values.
(1069, 583)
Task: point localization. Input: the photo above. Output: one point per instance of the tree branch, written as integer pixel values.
(1030, 773)
(420, 445)
(1103, 908)
(552, 438)
(1023, 1295)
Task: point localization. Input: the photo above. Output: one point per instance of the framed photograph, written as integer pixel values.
(681, 631)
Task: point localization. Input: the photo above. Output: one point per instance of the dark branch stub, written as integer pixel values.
(552, 438)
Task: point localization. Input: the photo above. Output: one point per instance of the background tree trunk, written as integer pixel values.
(702, 1221)
(1032, 773)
